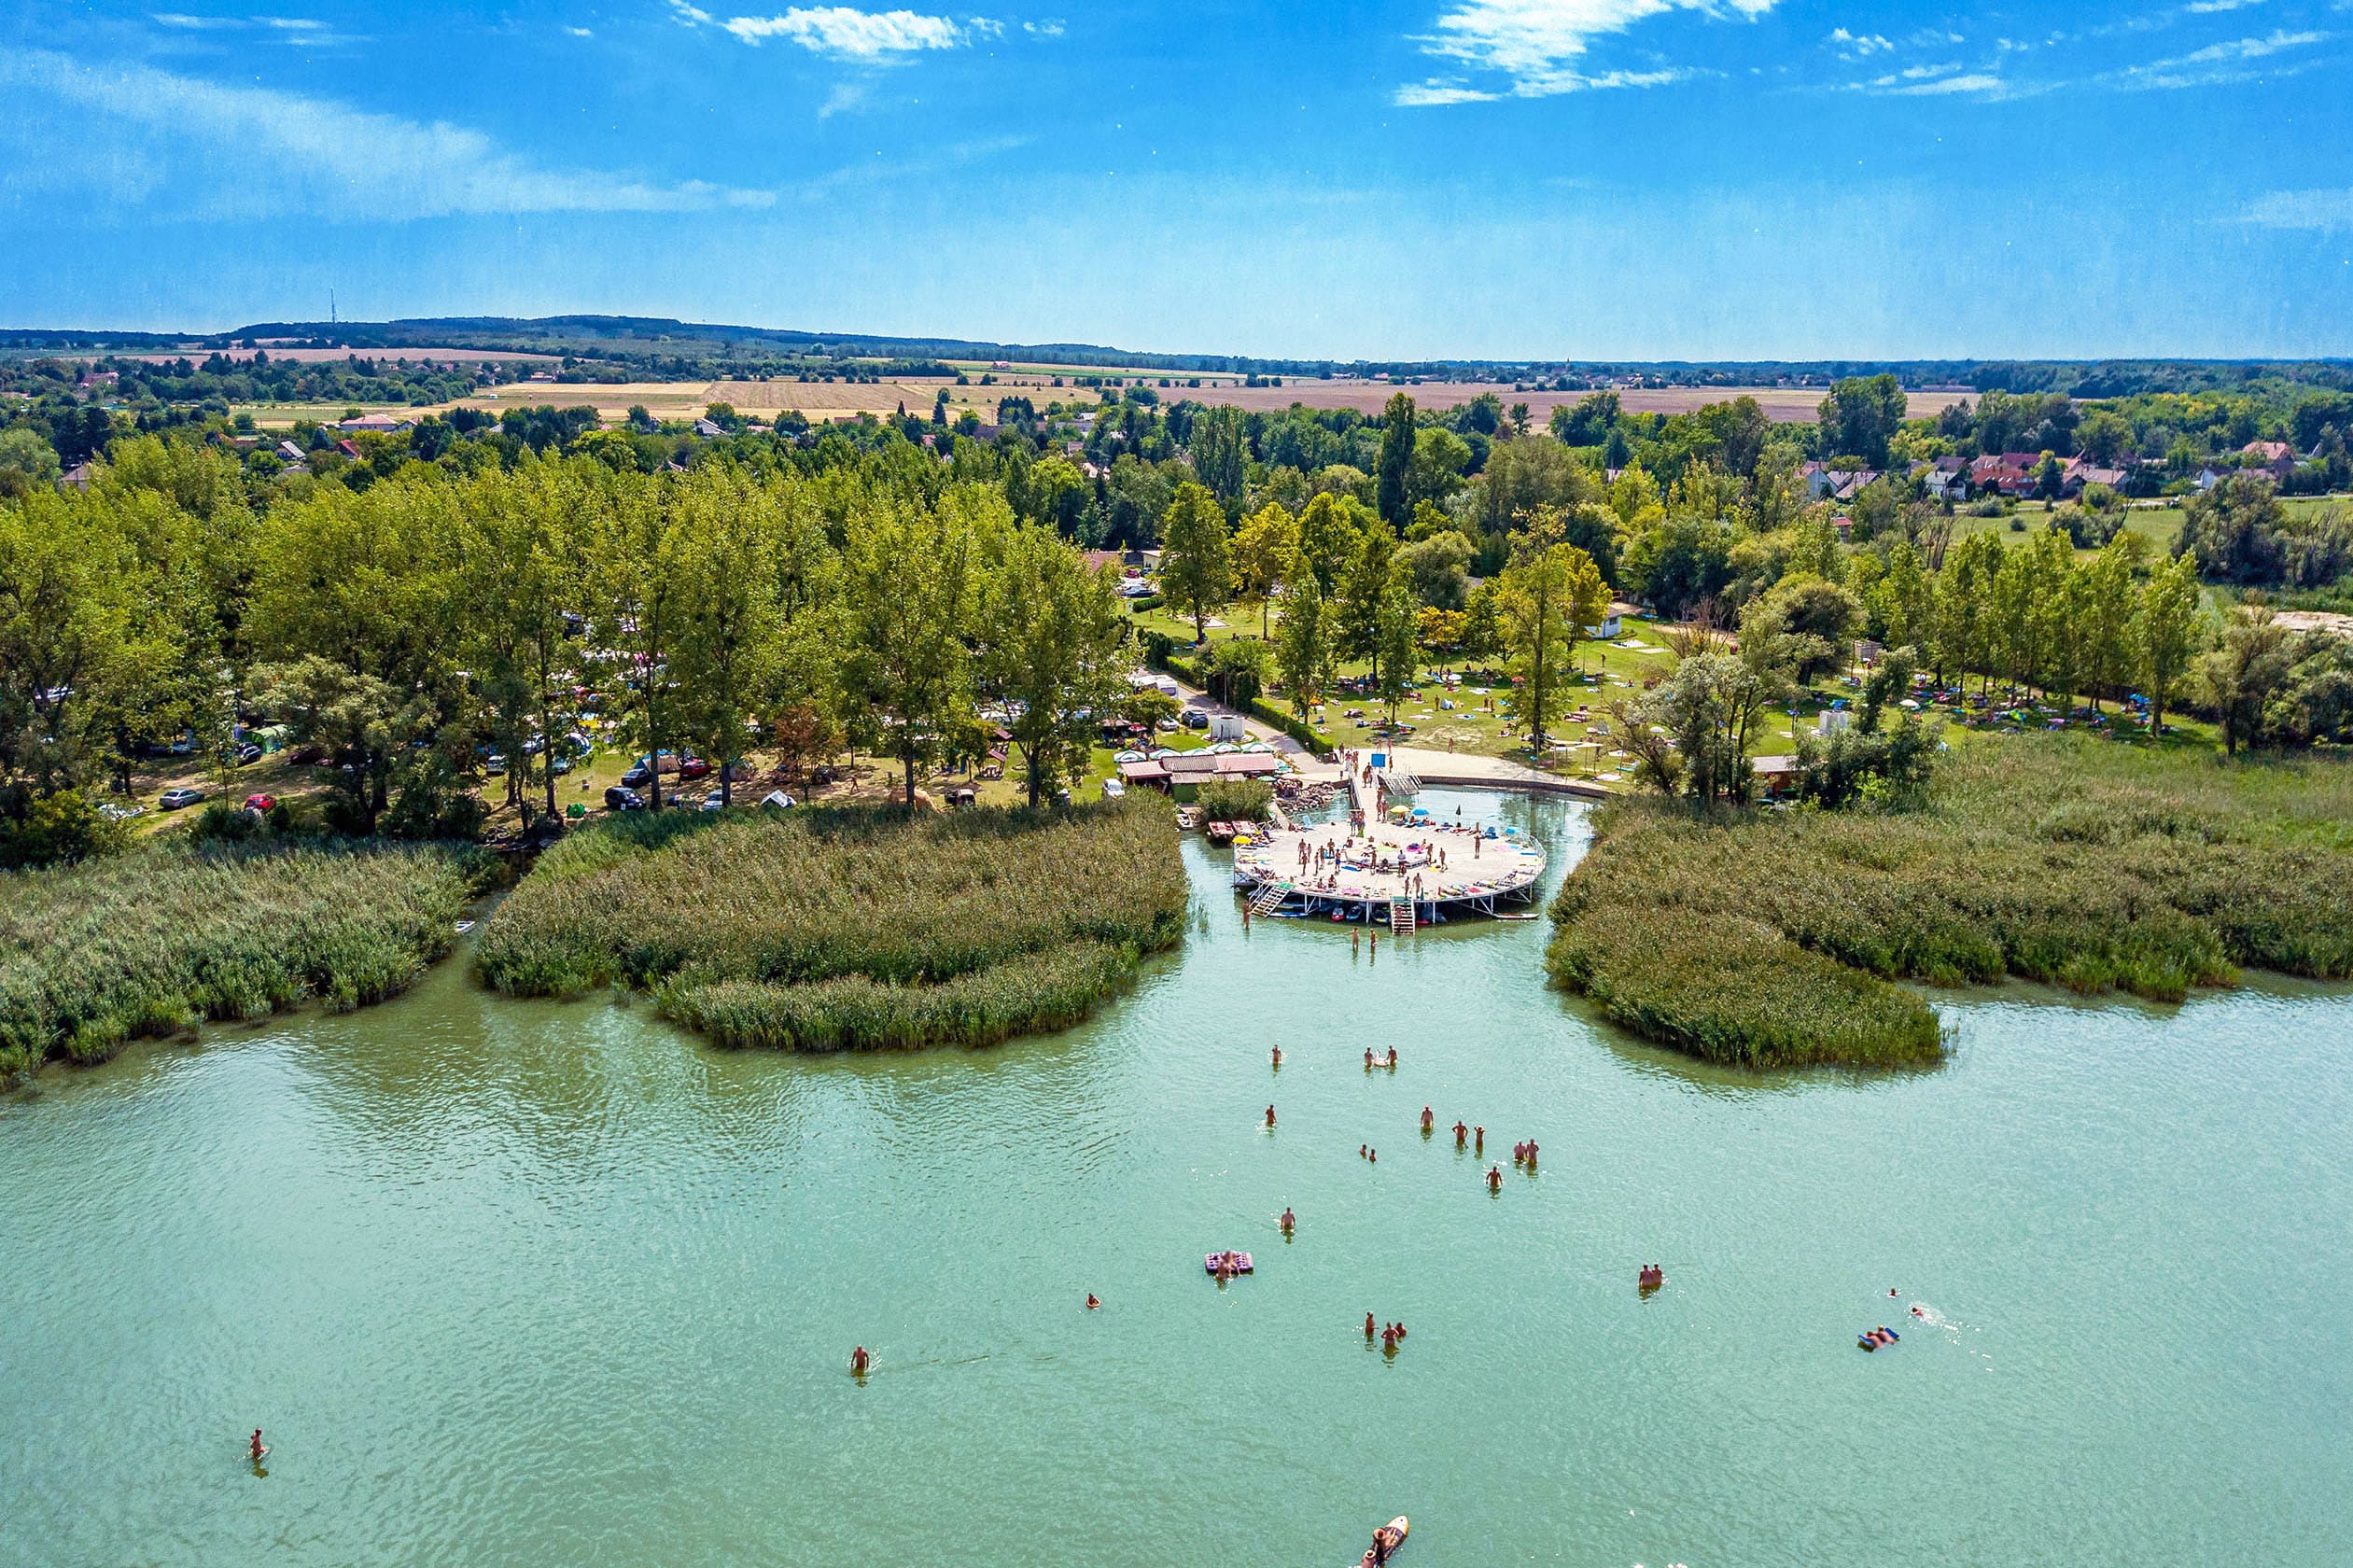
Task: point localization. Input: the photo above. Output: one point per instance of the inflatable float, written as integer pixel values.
(1393, 1535)
(1875, 1339)
(1237, 1262)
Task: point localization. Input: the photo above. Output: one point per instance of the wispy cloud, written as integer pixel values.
(2217, 64)
(1536, 44)
(305, 31)
(1051, 28)
(2301, 209)
(1434, 94)
(1977, 84)
(158, 140)
(1853, 46)
(2208, 8)
(845, 33)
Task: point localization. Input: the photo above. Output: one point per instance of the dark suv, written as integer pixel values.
(621, 798)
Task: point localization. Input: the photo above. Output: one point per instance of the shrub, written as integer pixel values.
(2059, 859)
(1236, 800)
(155, 940)
(852, 926)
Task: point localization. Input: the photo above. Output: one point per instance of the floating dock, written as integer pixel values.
(1402, 874)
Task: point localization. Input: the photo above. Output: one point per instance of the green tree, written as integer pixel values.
(1546, 599)
(1050, 641)
(2246, 674)
(1711, 706)
(728, 648)
(2165, 630)
(1197, 559)
(2104, 605)
(1266, 554)
(1396, 461)
(1860, 416)
(1304, 642)
(1393, 646)
(909, 579)
(1329, 535)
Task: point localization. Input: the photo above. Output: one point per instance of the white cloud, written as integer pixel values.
(1858, 47)
(2301, 209)
(845, 33)
(159, 141)
(195, 23)
(2217, 65)
(2208, 8)
(1050, 29)
(1535, 42)
(1979, 84)
(579, 32)
(1434, 94)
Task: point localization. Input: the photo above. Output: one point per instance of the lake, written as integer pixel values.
(510, 1283)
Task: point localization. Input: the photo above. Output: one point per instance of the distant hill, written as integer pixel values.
(656, 341)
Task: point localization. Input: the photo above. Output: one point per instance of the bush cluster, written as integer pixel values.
(853, 926)
(156, 940)
(1767, 938)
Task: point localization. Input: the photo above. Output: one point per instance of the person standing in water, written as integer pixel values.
(254, 1448)
(859, 1362)
(1091, 1302)
(1368, 1327)
(1494, 1178)
(1460, 1133)
(1369, 1058)
(1270, 1115)
(1288, 1220)
(1479, 1134)
(1427, 1119)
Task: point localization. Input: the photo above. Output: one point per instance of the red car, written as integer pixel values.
(258, 803)
(693, 767)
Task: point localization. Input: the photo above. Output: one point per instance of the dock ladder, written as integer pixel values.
(1400, 784)
(1401, 916)
(1269, 898)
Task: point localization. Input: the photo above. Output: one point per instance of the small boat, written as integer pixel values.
(1391, 1535)
(1239, 1262)
(1221, 833)
(1189, 817)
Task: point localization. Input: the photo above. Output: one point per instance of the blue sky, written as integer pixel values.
(1539, 178)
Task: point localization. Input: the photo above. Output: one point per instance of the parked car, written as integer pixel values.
(712, 803)
(258, 803)
(172, 800)
(248, 755)
(494, 766)
(618, 798)
(1195, 719)
(693, 767)
(638, 775)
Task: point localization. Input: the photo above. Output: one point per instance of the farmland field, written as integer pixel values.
(1787, 405)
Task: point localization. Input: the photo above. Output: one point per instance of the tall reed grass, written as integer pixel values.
(158, 939)
(850, 928)
(2065, 860)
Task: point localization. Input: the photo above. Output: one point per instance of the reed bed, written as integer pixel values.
(2070, 861)
(158, 940)
(850, 928)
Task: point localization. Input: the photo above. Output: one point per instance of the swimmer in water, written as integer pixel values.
(1373, 1154)
(254, 1447)
(1393, 1059)
(859, 1362)
(1369, 1058)
(1287, 1219)
(1278, 1055)
(1494, 1178)
(1270, 1115)
(1368, 1325)
(1460, 1133)
(1427, 1119)
(1532, 1154)
(1361, 1151)
(1918, 1313)
(1480, 1134)
(1091, 1302)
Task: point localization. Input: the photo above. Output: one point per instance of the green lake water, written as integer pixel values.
(551, 1284)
